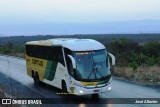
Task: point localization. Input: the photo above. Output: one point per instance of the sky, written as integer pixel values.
(22, 13)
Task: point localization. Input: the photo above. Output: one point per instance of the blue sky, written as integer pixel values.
(22, 13)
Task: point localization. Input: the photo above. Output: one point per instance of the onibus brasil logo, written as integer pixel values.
(21, 101)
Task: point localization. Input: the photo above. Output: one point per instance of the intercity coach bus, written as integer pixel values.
(77, 66)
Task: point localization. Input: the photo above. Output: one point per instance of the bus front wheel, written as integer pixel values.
(95, 96)
(64, 87)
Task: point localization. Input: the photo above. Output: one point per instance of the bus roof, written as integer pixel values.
(70, 43)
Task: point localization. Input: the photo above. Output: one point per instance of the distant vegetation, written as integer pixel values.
(136, 62)
(103, 38)
(132, 54)
(137, 55)
(10, 49)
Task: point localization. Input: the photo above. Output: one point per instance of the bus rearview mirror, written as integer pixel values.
(73, 61)
(113, 58)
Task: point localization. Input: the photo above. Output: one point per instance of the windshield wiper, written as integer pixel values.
(106, 77)
(92, 71)
(95, 68)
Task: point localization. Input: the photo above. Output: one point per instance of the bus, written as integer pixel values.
(77, 66)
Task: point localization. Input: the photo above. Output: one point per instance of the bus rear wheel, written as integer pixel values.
(36, 79)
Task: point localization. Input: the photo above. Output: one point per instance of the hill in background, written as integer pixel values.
(103, 38)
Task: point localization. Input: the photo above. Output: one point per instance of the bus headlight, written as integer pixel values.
(81, 91)
(109, 88)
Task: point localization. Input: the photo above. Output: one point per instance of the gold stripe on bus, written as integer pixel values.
(89, 83)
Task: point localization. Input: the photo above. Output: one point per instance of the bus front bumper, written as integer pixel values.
(85, 90)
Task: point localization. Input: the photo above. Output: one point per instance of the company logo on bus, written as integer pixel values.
(37, 62)
(84, 50)
(81, 53)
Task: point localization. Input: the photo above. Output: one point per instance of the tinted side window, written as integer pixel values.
(28, 50)
(53, 53)
(68, 61)
(57, 54)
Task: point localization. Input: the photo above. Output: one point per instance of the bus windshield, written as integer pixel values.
(91, 65)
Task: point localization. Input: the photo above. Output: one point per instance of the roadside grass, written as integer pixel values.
(21, 55)
(144, 74)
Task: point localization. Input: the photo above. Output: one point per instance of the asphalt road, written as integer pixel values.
(14, 79)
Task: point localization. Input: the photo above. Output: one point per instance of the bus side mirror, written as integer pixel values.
(73, 61)
(113, 58)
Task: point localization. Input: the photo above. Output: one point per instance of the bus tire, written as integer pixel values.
(36, 79)
(95, 96)
(32, 74)
(64, 87)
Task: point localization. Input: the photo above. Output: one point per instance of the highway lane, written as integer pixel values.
(16, 69)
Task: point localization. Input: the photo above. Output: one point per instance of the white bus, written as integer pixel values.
(77, 66)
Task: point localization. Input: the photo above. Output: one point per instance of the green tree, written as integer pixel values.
(123, 49)
(9, 45)
(134, 65)
(152, 49)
